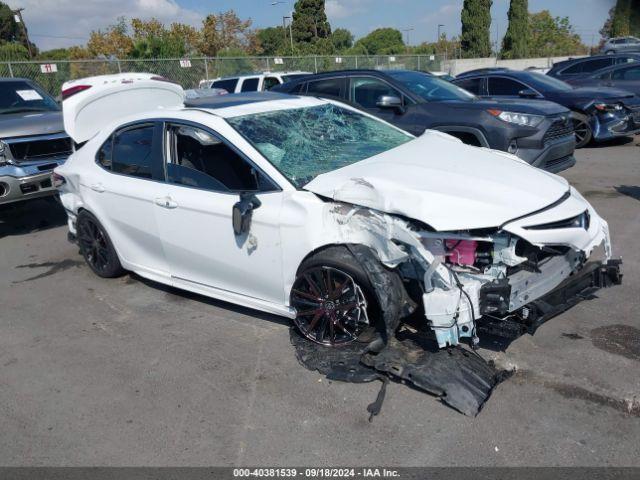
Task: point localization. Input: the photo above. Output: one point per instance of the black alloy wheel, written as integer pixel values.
(331, 308)
(96, 247)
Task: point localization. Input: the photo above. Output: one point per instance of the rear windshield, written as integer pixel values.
(306, 142)
(19, 96)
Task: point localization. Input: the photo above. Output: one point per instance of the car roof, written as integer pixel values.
(14, 79)
(251, 102)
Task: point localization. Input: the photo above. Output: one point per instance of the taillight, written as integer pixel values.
(73, 90)
(57, 180)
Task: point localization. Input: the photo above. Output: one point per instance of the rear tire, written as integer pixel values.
(96, 247)
(583, 131)
(334, 299)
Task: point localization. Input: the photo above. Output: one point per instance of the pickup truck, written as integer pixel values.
(32, 140)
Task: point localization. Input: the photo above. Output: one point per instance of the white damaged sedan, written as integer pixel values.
(313, 210)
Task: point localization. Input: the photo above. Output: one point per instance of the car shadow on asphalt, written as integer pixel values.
(31, 216)
(175, 295)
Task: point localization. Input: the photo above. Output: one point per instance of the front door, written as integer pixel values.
(205, 176)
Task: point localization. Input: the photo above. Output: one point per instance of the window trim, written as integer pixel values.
(166, 122)
(155, 171)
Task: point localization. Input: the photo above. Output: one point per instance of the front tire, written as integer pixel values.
(96, 247)
(582, 129)
(333, 298)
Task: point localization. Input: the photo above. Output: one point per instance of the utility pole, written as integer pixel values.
(290, 32)
(18, 13)
(439, 25)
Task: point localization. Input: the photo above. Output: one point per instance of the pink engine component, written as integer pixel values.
(461, 252)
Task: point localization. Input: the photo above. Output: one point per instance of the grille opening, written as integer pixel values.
(35, 149)
(29, 187)
(558, 129)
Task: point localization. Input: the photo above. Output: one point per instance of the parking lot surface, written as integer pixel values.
(129, 372)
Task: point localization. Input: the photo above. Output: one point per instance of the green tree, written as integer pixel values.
(224, 31)
(382, 41)
(515, 43)
(11, 31)
(13, 51)
(342, 39)
(620, 22)
(310, 21)
(553, 36)
(476, 22)
(272, 40)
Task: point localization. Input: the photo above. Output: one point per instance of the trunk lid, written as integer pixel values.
(94, 102)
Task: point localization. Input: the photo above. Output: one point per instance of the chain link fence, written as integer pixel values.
(189, 72)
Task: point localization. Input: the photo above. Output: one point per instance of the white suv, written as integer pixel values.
(256, 82)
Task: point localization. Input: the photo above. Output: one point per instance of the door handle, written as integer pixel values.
(165, 202)
(97, 187)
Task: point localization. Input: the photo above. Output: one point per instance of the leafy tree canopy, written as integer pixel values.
(553, 36)
(382, 41)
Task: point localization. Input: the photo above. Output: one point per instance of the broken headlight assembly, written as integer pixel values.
(522, 119)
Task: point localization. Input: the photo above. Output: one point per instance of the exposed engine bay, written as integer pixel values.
(488, 280)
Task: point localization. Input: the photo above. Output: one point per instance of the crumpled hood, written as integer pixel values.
(444, 183)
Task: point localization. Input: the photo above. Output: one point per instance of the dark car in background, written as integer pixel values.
(580, 67)
(538, 132)
(625, 77)
(598, 114)
(32, 140)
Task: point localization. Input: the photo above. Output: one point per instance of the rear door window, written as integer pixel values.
(132, 152)
(473, 85)
(501, 86)
(330, 87)
(593, 65)
(228, 84)
(250, 85)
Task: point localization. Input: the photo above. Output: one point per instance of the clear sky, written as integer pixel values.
(60, 23)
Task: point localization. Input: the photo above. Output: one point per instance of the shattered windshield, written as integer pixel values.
(306, 142)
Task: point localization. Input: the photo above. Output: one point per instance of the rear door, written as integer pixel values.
(128, 180)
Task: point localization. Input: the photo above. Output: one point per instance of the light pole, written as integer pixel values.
(406, 31)
(284, 23)
(439, 25)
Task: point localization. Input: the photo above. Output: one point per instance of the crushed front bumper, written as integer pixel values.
(579, 286)
(607, 126)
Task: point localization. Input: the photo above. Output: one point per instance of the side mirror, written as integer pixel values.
(242, 212)
(528, 93)
(390, 101)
